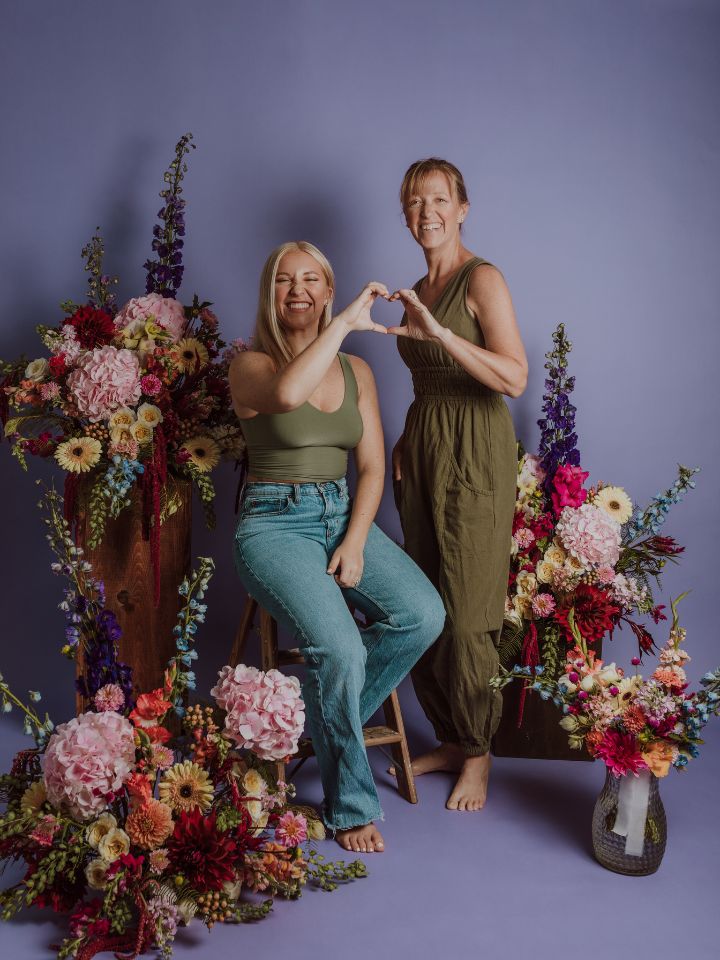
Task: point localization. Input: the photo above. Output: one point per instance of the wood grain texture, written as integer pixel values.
(123, 562)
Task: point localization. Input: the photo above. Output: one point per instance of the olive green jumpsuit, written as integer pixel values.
(456, 501)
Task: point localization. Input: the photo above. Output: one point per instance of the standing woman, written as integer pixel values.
(303, 547)
(456, 469)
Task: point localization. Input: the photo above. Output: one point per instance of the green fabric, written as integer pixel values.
(305, 445)
(456, 502)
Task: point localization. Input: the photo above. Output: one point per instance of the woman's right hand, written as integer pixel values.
(356, 316)
(397, 455)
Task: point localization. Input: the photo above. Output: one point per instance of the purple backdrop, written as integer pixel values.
(589, 136)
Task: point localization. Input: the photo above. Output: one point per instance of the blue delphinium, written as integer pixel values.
(647, 522)
(192, 613)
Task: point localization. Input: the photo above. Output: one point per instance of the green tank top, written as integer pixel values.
(305, 445)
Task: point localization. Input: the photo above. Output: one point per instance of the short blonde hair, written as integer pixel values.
(416, 173)
(269, 335)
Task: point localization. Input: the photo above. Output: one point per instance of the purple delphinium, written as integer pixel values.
(164, 275)
(558, 440)
(101, 659)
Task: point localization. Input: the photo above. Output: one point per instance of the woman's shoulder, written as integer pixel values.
(249, 359)
(485, 280)
(361, 369)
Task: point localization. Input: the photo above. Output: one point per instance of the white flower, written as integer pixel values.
(254, 784)
(609, 675)
(96, 873)
(569, 723)
(141, 432)
(526, 583)
(149, 414)
(544, 571)
(114, 844)
(97, 830)
(124, 418)
(37, 369)
(567, 683)
(587, 683)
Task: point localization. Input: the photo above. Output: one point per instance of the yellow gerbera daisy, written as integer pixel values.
(615, 502)
(189, 355)
(204, 453)
(78, 455)
(34, 797)
(186, 786)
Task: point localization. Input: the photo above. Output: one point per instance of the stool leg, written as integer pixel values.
(243, 631)
(269, 661)
(400, 751)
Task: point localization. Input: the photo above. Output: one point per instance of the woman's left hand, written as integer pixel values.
(347, 564)
(421, 324)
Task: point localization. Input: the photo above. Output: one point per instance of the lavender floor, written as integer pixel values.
(515, 880)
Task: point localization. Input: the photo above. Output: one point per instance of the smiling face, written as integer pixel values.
(433, 211)
(301, 291)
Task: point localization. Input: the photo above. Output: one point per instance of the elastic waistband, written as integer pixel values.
(444, 383)
(295, 490)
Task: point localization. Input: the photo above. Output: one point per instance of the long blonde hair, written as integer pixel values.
(269, 335)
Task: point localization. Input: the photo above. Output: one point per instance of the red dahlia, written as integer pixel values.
(595, 613)
(93, 328)
(199, 851)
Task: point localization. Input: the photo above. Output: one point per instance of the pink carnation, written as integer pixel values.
(291, 829)
(109, 697)
(105, 378)
(151, 385)
(589, 534)
(87, 760)
(265, 712)
(568, 487)
(164, 311)
(543, 605)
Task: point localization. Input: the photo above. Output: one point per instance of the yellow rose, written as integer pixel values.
(114, 844)
(544, 571)
(149, 414)
(526, 583)
(123, 417)
(141, 432)
(555, 555)
(258, 815)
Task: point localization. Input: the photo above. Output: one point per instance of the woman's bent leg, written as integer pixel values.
(285, 572)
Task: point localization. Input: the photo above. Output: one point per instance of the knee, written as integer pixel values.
(431, 612)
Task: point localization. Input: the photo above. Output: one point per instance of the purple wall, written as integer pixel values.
(589, 136)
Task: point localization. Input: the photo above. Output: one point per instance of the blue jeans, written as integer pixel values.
(285, 538)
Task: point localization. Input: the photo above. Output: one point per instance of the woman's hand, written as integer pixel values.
(356, 316)
(397, 456)
(421, 324)
(347, 564)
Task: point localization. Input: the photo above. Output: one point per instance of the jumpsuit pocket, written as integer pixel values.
(470, 449)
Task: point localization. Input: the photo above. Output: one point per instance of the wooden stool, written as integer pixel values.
(392, 735)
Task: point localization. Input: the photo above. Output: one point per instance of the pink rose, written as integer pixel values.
(568, 487)
(105, 378)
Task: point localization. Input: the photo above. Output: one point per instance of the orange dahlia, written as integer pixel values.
(150, 824)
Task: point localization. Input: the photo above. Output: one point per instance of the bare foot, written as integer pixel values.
(470, 790)
(367, 839)
(448, 756)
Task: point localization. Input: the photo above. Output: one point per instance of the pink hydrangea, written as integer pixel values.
(568, 487)
(265, 712)
(87, 760)
(109, 697)
(164, 311)
(105, 378)
(590, 535)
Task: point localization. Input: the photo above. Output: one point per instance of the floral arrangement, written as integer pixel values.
(583, 559)
(632, 724)
(134, 830)
(129, 397)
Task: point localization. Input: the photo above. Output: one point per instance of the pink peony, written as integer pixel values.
(105, 378)
(590, 535)
(88, 759)
(164, 311)
(265, 712)
(568, 487)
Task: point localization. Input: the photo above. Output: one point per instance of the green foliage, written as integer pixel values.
(511, 641)
(248, 912)
(328, 875)
(551, 652)
(206, 490)
(97, 513)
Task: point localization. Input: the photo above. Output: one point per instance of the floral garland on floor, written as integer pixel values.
(630, 723)
(130, 397)
(583, 560)
(134, 831)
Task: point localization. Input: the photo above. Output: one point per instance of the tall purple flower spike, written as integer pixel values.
(165, 274)
(558, 440)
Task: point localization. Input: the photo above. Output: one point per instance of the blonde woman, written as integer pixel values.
(303, 547)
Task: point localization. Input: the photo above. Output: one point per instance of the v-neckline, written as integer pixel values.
(445, 289)
(329, 413)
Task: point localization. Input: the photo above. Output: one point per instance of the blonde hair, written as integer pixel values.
(416, 173)
(269, 335)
